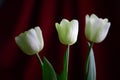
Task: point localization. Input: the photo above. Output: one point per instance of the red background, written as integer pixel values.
(16, 16)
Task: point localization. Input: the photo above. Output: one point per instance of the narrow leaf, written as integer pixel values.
(92, 67)
(48, 71)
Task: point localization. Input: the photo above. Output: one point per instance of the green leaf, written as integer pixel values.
(90, 66)
(64, 74)
(48, 71)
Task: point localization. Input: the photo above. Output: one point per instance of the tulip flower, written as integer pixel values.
(67, 31)
(31, 41)
(96, 29)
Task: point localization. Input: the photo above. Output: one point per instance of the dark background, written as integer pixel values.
(16, 16)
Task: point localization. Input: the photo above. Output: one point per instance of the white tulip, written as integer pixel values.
(67, 31)
(31, 41)
(96, 29)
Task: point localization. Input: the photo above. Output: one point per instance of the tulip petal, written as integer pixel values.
(87, 18)
(92, 27)
(96, 29)
(73, 31)
(60, 32)
(40, 37)
(22, 42)
(88, 27)
(33, 40)
(103, 32)
(64, 22)
(63, 31)
(57, 27)
(93, 18)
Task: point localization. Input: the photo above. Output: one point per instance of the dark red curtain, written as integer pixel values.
(16, 16)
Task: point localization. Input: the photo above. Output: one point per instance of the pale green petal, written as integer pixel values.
(64, 31)
(102, 30)
(87, 19)
(87, 27)
(22, 42)
(40, 37)
(64, 23)
(105, 20)
(57, 26)
(60, 32)
(33, 40)
(96, 29)
(93, 26)
(103, 33)
(93, 16)
(93, 19)
(73, 31)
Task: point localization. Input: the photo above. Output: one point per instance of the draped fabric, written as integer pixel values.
(17, 16)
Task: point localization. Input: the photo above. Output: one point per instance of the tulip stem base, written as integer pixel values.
(39, 59)
(87, 60)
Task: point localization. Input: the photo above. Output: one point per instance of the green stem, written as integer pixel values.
(41, 63)
(68, 51)
(66, 63)
(86, 63)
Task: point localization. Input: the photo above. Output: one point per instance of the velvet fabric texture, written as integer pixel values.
(17, 16)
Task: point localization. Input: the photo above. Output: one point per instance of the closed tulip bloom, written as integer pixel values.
(96, 29)
(31, 41)
(67, 31)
